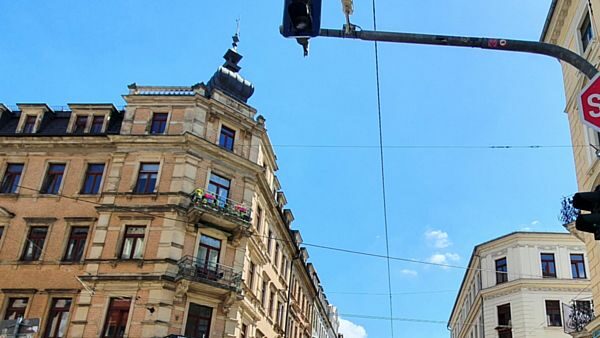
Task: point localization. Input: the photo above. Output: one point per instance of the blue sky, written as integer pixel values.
(441, 202)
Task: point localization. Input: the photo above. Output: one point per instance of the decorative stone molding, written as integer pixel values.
(181, 290)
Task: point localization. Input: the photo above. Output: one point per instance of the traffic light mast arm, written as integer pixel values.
(460, 41)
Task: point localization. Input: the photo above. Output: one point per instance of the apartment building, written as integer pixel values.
(161, 218)
(522, 285)
(573, 25)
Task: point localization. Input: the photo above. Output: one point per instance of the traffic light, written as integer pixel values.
(588, 201)
(301, 18)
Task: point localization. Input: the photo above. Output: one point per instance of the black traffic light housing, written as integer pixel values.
(301, 18)
(588, 201)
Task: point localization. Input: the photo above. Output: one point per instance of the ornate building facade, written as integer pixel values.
(162, 218)
(572, 24)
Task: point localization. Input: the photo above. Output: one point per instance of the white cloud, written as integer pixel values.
(438, 238)
(351, 330)
(409, 272)
(444, 258)
(536, 222)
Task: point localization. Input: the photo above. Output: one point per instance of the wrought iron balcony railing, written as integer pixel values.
(207, 200)
(198, 270)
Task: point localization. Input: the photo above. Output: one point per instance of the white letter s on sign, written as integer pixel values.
(594, 101)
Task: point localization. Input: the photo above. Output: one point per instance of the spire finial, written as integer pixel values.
(236, 37)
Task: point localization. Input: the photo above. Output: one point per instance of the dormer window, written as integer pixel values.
(97, 124)
(585, 32)
(227, 137)
(29, 125)
(80, 124)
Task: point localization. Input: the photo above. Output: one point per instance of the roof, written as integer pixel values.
(548, 19)
(53, 124)
(480, 245)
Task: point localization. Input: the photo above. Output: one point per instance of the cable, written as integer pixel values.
(421, 146)
(319, 246)
(382, 163)
(385, 293)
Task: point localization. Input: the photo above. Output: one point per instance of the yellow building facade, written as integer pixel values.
(572, 24)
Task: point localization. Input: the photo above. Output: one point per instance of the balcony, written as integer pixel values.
(217, 210)
(195, 270)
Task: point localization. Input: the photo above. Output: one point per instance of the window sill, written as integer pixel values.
(36, 262)
(72, 262)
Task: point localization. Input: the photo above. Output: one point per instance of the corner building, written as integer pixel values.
(516, 286)
(163, 218)
(573, 25)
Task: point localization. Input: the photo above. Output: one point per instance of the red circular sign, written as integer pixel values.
(589, 104)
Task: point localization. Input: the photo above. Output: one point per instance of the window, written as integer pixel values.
(29, 126)
(97, 124)
(80, 124)
(280, 312)
(208, 254)
(271, 300)
(276, 258)
(53, 178)
(226, 139)
(251, 272)
(159, 123)
(93, 177)
(269, 241)
(116, 318)
(16, 308)
(133, 243)
(548, 265)
(263, 293)
(501, 271)
(34, 244)
(219, 186)
(553, 313)
(198, 321)
(284, 266)
(1, 232)
(244, 331)
(12, 178)
(58, 318)
(577, 266)
(76, 244)
(146, 181)
(258, 219)
(585, 32)
(504, 321)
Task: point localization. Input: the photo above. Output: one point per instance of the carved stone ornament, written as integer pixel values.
(181, 290)
(228, 301)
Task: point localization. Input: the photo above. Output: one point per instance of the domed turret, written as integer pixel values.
(228, 79)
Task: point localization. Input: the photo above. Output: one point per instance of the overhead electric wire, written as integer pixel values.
(319, 246)
(382, 164)
(423, 146)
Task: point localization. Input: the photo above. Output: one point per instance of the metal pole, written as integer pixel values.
(534, 47)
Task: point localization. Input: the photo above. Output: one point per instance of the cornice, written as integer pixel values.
(559, 19)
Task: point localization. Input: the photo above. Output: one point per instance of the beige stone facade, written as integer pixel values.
(103, 233)
(531, 292)
(571, 24)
